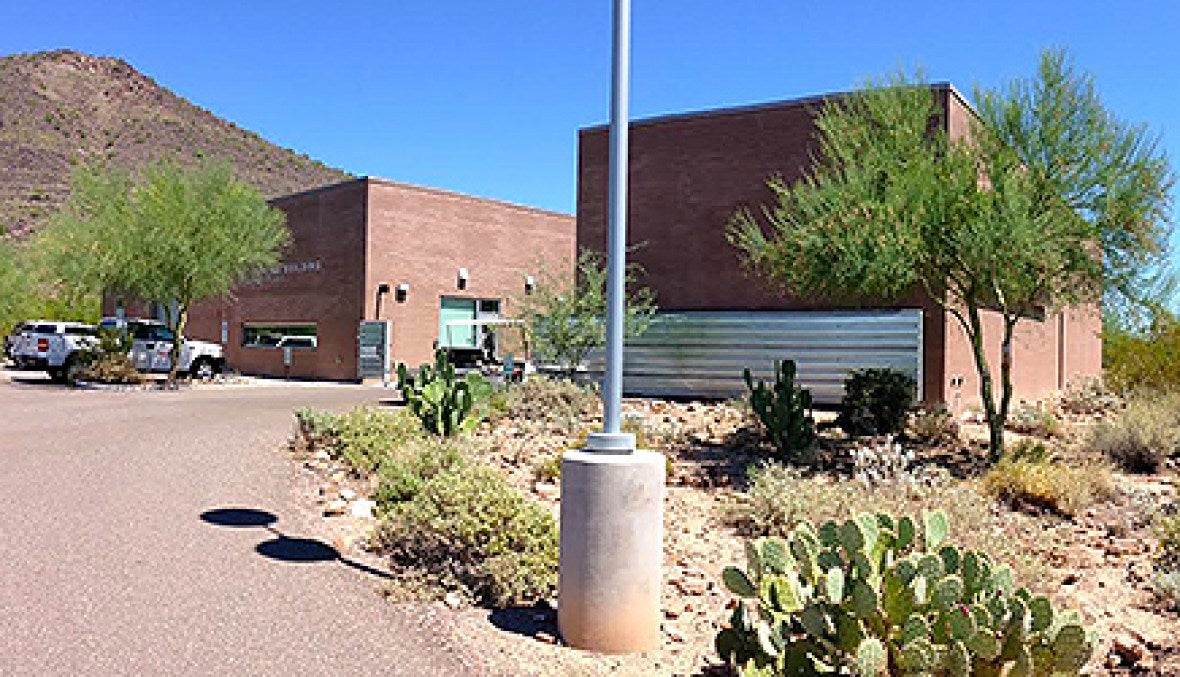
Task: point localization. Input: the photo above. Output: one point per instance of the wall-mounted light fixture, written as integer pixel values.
(403, 290)
(382, 290)
(463, 276)
(530, 283)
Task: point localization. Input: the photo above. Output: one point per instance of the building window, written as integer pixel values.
(460, 321)
(294, 336)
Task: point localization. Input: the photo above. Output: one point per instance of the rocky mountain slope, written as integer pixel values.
(59, 109)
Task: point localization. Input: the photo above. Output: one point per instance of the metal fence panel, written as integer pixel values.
(703, 353)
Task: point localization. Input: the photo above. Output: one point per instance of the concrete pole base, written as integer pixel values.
(612, 544)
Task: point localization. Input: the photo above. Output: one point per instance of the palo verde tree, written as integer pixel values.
(176, 236)
(565, 316)
(1048, 202)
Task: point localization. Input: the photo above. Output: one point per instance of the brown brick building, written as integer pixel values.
(689, 173)
(455, 256)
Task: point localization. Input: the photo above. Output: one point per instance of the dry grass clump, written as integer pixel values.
(1029, 419)
(932, 425)
(555, 402)
(780, 496)
(1144, 435)
(1030, 476)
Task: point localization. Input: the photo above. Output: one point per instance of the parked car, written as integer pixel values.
(52, 346)
(151, 348)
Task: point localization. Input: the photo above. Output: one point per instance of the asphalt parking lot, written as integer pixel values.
(112, 563)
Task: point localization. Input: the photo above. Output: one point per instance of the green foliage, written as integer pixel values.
(895, 203)
(363, 437)
(565, 317)
(176, 236)
(402, 473)
(876, 402)
(108, 360)
(876, 595)
(548, 468)
(28, 293)
(1144, 360)
(1167, 559)
(1142, 437)
(469, 528)
(784, 410)
(444, 403)
(1029, 475)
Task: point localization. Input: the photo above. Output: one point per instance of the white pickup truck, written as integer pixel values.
(151, 349)
(51, 346)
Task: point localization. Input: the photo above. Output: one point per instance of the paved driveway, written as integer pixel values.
(106, 566)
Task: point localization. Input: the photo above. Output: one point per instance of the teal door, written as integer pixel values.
(457, 335)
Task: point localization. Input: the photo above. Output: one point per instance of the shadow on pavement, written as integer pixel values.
(529, 621)
(283, 548)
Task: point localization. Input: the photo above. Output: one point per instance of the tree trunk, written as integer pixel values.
(995, 421)
(177, 340)
(1005, 380)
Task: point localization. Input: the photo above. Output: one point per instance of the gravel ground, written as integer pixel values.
(109, 567)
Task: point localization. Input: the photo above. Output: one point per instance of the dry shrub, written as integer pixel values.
(555, 402)
(1144, 436)
(1030, 419)
(779, 497)
(932, 425)
(111, 368)
(1030, 476)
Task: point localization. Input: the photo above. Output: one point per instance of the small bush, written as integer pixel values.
(1029, 419)
(468, 528)
(1029, 476)
(1143, 436)
(410, 465)
(548, 469)
(932, 425)
(876, 402)
(108, 361)
(316, 428)
(556, 402)
(780, 497)
(1167, 530)
(365, 436)
(1088, 396)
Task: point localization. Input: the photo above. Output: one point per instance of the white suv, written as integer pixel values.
(151, 349)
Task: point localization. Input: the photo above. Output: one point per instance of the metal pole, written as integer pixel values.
(612, 391)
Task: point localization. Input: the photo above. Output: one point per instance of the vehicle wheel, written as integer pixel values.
(73, 371)
(57, 374)
(203, 369)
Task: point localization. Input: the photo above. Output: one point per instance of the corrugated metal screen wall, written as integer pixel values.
(703, 353)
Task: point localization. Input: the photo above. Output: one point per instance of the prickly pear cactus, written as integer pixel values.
(784, 410)
(876, 595)
(443, 402)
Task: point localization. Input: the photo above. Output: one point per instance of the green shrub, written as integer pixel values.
(1088, 396)
(1167, 530)
(402, 473)
(1144, 435)
(875, 595)
(932, 425)
(365, 436)
(876, 402)
(1029, 419)
(784, 410)
(316, 428)
(469, 528)
(780, 497)
(1144, 361)
(444, 403)
(1029, 475)
(557, 402)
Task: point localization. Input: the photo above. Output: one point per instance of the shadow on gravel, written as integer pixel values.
(538, 621)
(283, 548)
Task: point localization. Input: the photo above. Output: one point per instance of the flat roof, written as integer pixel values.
(417, 188)
(762, 106)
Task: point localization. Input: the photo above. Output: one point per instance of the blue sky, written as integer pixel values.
(486, 97)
